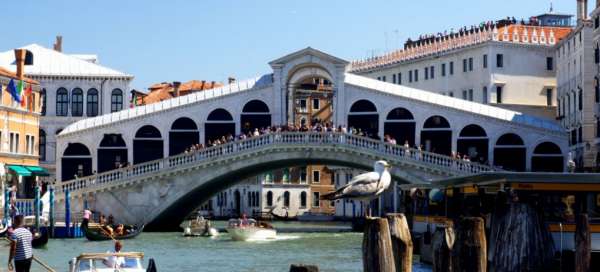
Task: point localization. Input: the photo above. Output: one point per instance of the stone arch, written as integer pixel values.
(183, 134)
(510, 152)
(400, 125)
(363, 116)
(547, 157)
(76, 161)
(308, 82)
(219, 123)
(112, 152)
(436, 135)
(147, 144)
(473, 142)
(255, 115)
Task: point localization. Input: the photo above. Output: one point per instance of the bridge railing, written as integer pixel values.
(354, 142)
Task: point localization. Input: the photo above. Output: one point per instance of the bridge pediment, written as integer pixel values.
(308, 55)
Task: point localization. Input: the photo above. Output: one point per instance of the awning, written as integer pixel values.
(38, 171)
(20, 170)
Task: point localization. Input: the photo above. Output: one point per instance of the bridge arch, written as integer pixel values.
(183, 134)
(363, 116)
(510, 153)
(547, 157)
(219, 123)
(147, 144)
(112, 152)
(400, 124)
(473, 141)
(436, 135)
(255, 115)
(76, 161)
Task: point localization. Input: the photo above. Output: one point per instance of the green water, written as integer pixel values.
(172, 252)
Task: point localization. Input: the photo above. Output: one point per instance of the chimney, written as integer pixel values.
(58, 44)
(20, 61)
(581, 10)
(176, 85)
(231, 80)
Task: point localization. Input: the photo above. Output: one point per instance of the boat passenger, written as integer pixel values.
(114, 261)
(120, 230)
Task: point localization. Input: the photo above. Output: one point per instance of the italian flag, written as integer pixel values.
(20, 86)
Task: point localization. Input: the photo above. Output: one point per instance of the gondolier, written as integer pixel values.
(20, 247)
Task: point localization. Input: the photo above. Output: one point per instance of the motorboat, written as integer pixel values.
(198, 227)
(110, 262)
(250, 230)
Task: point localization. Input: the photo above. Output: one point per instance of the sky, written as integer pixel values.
(177, 40)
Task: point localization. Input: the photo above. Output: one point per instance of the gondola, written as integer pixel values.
(40, 239)
(97, 234)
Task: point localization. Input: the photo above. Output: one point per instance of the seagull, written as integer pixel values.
(364, 187)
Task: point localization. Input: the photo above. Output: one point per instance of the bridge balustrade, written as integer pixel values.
(336, 139)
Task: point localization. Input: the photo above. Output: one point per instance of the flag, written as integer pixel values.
(27, 93)
(20, 89)
(12, 89)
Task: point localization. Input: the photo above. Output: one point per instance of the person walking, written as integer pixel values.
(20, 247)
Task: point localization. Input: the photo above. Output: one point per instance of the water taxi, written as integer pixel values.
(109, 262)
(250, 230)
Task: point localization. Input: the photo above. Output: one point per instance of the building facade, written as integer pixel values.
(577, 77)
(19, 128)
(73, 87)
(507, 63)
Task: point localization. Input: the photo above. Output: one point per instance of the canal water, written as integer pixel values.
(331, 251)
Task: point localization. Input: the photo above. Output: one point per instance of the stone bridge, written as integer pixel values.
(161, 193)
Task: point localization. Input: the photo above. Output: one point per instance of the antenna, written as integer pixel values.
(551, 7)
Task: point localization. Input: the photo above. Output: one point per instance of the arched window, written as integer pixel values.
(43, 101)
(92, 102)
(363, 106)
(269, 199)
(76, 162)
(116, 100)
(510, 153)
(303, 200)
(42, 145)
(77, 102)
(62, 102)
(547, 157)
(286, 199)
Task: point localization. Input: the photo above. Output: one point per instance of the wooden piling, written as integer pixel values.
(469, 253)
(582, 244)
(402, 244)
(443, 242)
(303, 268)
(377, 246)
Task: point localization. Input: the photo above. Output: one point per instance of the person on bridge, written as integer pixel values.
(20, 247)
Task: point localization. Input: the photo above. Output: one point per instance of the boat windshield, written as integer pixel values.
(241, 222)
(108, 264)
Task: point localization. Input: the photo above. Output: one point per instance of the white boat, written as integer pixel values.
(108, 262)
(198, 227)
(250, 230)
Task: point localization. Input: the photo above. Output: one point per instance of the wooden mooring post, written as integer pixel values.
(469, 253)
(443, 242)
(583, 247)
(377, 246)
(402, 244)
(303, 268)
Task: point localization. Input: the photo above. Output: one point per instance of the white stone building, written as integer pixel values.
(577, 77)
(507, 63)
(74, 87)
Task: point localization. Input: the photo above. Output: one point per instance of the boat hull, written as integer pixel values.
(251, 234)
(97, 235)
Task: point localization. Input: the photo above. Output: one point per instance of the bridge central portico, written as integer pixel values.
(109, 155)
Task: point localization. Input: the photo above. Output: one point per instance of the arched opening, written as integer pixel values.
(116, 100)
(363, 117)
(147, 145)
(255, 115)
(184, 133)
(237, 199)
(400, 125)
(112, 152)
(473, 142)
(303, 200)
(510, 153)
(62, 102)
(42, 145)
(92, 102)
(269, 199)
(286, 199)
(218, 124)
(436, 135)
(76, 162)
(547, 157)
(309, 96)
(77, 102)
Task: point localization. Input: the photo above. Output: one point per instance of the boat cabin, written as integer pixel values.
(106, 262)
